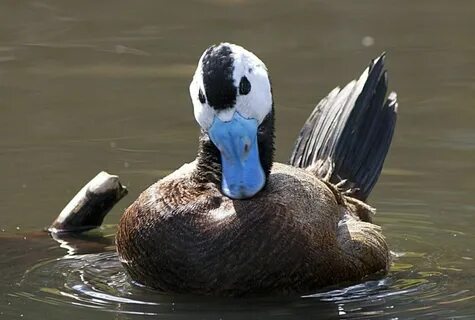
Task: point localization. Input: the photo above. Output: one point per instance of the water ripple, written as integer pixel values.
(98, 281)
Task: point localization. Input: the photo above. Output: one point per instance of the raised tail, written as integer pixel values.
(349, 132)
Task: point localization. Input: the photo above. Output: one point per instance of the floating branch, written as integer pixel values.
(90, 205)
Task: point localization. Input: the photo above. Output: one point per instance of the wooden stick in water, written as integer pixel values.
(88, 208)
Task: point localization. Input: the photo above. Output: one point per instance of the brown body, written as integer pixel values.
(298, 234)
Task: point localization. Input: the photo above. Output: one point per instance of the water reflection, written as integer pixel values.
(90, 276)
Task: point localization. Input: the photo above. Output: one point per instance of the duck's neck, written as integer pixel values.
(208, 168)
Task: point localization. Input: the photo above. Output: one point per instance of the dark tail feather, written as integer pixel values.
(349, 132)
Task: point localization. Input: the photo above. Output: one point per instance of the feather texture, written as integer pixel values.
(348, 134)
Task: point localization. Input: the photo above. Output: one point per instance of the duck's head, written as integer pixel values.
(232, 101)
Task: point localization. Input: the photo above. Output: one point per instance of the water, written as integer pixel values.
(88, 86)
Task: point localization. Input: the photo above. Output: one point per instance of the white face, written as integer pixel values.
(256, 104)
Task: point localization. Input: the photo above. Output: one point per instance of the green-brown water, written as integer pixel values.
(103, 85)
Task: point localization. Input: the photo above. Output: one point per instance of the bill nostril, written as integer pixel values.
(246, 147)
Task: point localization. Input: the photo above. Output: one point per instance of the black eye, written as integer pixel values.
(201, 96)
(244, 86)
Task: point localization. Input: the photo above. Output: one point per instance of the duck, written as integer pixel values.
(235, 223)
